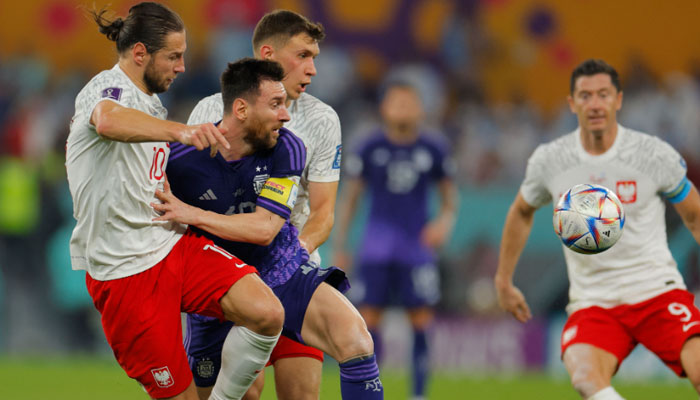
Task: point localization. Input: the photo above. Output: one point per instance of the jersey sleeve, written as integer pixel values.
(209, 109)
(534, 189)
(280, 190)
(105, 87)
(671, 172)
(324, 165)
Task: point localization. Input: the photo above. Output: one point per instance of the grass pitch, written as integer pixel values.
(101, 378)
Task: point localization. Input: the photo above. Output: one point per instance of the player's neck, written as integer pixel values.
(597, 143)
(401, 135)
(239, 148)
(134, 73)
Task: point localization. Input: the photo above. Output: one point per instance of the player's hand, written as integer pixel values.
(205, 135)
(435, 233)
(172, 209)
(511, 299)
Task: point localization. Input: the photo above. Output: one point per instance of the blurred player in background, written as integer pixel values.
(633, 292)
(399, 165)
(142, 273)
(293, 41)
(249, 192)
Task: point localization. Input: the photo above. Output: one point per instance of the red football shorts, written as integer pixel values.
(141, 313)
(662, 324)
(288, 348)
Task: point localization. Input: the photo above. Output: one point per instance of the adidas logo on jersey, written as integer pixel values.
(208, 195)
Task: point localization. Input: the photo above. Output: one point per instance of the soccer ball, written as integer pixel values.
(589, 218)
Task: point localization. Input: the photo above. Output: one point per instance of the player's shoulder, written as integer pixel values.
(312, 108)
(178, 151)
(434, 140)
(288, 138)
(106, 80)
(563, 145)
(214, 99)
(638, 145)
(290, 147)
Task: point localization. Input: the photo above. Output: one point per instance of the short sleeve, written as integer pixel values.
(324, 165)
(671, 171)
(533, 188)
(280, 191)
(106, 86)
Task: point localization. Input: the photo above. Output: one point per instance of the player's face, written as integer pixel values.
(297, 60)
(595, 102)
(267, 115)
(401, 109)
(166, 63)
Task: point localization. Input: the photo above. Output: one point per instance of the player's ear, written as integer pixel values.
(139, 53)
(240, 109)
(266, 52)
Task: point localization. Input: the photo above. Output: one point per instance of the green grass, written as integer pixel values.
(92, 378)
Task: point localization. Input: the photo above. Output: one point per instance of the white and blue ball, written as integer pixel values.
(589, 218)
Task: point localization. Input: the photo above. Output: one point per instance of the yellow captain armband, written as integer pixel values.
(280, 190)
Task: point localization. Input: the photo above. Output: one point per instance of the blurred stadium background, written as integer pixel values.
(494, 77)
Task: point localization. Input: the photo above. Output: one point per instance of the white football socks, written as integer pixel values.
(606, 394)
(243, 356)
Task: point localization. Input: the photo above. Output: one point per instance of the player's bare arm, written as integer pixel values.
(689, 210)
(436, 232)
(259, 227)
(352, 191)
(516, 230)
(115, 122)
(318, 227)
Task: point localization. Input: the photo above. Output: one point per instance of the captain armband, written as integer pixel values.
(680, 192)
(281, 190)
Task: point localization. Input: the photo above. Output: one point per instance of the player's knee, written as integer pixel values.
(357, 343)
(587, 381)
(270, 320)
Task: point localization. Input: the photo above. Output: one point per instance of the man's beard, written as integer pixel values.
(151, 80)
(258, 138)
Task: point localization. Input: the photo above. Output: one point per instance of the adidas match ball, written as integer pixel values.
(589, 218)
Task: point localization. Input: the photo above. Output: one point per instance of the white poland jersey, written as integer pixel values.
(316, 124)
(642, 170)
(113, 184)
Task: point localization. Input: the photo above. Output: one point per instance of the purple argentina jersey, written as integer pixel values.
(398, 179)
(259, 180)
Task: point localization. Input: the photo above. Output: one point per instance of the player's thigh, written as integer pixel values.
(600, 328)
(668, 321)
(298, 378)
(332, 324)
(209, 272)
(142, 323)
(251, 303)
